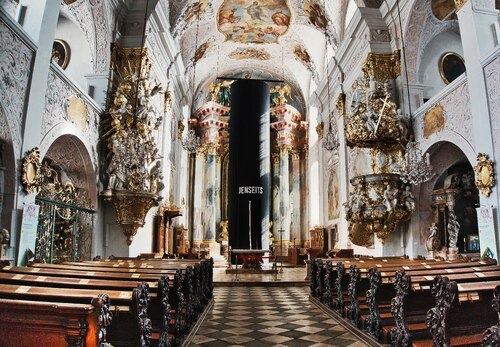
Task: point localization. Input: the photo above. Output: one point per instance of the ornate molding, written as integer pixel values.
(444, 292)
(400, 335)
(491, 336)
(373, 323)
(485, 174)
(382, 67)
(131, 209)
(31, 175)
(340, 104)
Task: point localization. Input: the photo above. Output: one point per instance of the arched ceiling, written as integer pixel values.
(280, 38)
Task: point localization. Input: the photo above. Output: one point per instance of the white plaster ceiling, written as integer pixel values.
(284, 59)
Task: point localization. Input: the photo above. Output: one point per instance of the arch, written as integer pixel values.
(65, 146)
(432, 143)
(443, 155)
(429, 72)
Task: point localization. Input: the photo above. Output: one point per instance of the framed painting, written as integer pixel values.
(61, 53)
(451, 66)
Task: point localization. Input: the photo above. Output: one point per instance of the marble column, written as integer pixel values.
(295, 200)
(217, 192)
(304, 198)
(276, 196)
(198, 201)
(284, 210)
(314, 171)
(210, 205)
(343, 237)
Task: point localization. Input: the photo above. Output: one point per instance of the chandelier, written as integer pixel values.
(191, 142)
(330, 142)
(413, 168)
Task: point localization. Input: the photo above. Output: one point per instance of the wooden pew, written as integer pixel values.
(83, 280)
(344, 291)
(36, 323)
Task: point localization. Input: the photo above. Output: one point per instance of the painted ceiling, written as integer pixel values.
(279, 39)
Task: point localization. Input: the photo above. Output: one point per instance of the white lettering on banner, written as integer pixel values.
(251, 190)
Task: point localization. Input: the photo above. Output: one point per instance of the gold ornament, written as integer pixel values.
(485, 174)
(340, 105)
(31, 171)
(320, 129)
(459, 4)
(382, 67)
(131, 210)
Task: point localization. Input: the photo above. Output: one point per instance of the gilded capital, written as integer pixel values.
(382, 67)
(127, 60)
(459, 4)
(320, 128)
(340, 104)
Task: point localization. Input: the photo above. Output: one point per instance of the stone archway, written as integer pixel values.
(444, 156)
(69, 153)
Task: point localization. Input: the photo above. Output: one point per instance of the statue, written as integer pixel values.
(408, 199)
(390, 198)
(402, 124)
(356, 200)
(155, 177)
(224, 233)
(433, 243)
(116, 176)
(453, 228)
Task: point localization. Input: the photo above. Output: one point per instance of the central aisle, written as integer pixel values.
(269, 316)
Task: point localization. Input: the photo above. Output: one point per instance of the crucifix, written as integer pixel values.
(381, 113)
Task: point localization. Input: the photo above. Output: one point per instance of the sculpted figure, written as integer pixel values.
(408, 199)
(390, 198)
(453, 228)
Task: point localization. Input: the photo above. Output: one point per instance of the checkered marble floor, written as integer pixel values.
(269, 316)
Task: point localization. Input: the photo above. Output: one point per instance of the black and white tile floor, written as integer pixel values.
(269, 316)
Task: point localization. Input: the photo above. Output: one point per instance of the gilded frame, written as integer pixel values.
(484, 174)
(31, 175)
(441, 67)
(61, 47)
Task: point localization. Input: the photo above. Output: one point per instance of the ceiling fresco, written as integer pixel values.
(250, 21)
(250, 53)
(285, 38)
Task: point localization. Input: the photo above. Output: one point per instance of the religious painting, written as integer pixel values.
(443, 9)
(316, 14)
(333, 196)
(473, 243)
(200, 51)
(302, 54)
(250, 21)
(433, 121)
(194, 10)
(451, 66)
(250, 53)
(69, 2)
(60, 53)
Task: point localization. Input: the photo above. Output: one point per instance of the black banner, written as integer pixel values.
(249, 164)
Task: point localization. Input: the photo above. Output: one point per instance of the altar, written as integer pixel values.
(252, 258)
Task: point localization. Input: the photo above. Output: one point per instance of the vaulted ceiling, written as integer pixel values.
(265, 39)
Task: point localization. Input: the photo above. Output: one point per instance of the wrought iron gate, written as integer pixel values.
(64, 232)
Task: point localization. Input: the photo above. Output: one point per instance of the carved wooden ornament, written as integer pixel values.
(485, 174)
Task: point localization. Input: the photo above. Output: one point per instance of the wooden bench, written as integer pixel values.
(367, 292)
(194, 285)
(36, 323)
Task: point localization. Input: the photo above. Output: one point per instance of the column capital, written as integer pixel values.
(459, 4)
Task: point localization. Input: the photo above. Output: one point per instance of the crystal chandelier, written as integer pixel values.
(191, 142)
(413, 168)
(330, 142)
